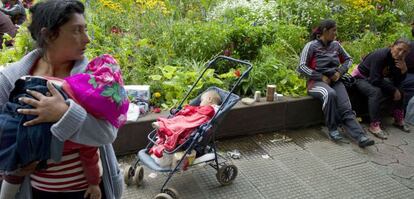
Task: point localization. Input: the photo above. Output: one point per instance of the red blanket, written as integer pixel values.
(175, 130)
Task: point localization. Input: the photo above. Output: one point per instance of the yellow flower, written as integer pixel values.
(157, 94)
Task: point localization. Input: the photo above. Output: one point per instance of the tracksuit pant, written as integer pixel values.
(336, 107)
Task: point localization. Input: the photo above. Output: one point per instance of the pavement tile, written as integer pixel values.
(334, 155)
(382, 159)
(406, 159)
(402, 171)
(394, 140)
(388, 149)
(240, 188)
(245, 145)
(183, 182)
(320, 176)
(274, 181)
(375, 183)
(276, 143)
(407, 149)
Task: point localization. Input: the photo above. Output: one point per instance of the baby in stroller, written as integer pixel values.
(175, 130)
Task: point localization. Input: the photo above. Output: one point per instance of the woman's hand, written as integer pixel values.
(326, 79)
(93, 191)
(28, 169)
(397, 95)
(336, 76)
(401, 65)
(47, 108)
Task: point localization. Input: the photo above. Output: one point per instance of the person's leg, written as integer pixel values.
(407, 85)
(398, 114)
(374, 95)
(348, 117)
(327, 96)
(10, 186)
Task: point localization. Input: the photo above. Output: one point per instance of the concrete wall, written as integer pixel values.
(261, 117)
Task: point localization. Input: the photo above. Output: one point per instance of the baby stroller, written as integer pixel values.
(201, 139)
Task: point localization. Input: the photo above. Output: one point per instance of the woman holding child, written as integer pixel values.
(323, 61)
(59, 29)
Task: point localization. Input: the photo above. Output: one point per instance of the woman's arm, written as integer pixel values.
(80, 127)
(71, 121)
(376, 77)
(5, 88)
(345, 59)
(304, 68)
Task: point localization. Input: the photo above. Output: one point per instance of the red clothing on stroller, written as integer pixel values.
(175, 130)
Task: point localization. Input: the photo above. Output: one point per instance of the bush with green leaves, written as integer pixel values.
(165, 43)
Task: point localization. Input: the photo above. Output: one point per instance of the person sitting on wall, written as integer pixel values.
(380, 74)
(6, 27)
(323, 61)
(407, 84)
(15, 10)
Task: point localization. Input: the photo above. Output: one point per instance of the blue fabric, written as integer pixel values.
(20, 145)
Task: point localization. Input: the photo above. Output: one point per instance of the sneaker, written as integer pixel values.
(402, 126)
(364, 141)
(376, 130)
(335, 135)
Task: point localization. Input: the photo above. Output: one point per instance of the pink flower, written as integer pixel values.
(109, 59)
(118, 78)
(95, 64)
(100, 61)
(105, 78)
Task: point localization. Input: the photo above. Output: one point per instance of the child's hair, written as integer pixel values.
(215, 97)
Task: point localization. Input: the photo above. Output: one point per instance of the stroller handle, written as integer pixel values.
(212, 62)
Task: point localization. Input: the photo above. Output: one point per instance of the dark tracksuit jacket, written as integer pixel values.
(379, 65)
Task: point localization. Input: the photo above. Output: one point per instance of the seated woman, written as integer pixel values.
(407, 84)
(323, 61)
(175, 130)
(15, 10)
(380, 73)
(6, 27)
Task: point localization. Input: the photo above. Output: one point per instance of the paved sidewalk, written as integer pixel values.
(307, 166)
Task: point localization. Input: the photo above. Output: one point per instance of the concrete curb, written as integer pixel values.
(286, 113)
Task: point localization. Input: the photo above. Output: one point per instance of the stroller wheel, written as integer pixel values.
(226, 174)
(171, 192)
(128, 174)
(139, 175)
(163, 196)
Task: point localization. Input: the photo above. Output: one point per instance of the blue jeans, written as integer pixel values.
(20, 145)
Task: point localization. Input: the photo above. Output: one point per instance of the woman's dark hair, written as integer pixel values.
(51, 14)
(402, 41)
(324, 25)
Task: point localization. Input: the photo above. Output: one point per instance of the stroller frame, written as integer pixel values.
(226, 173)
